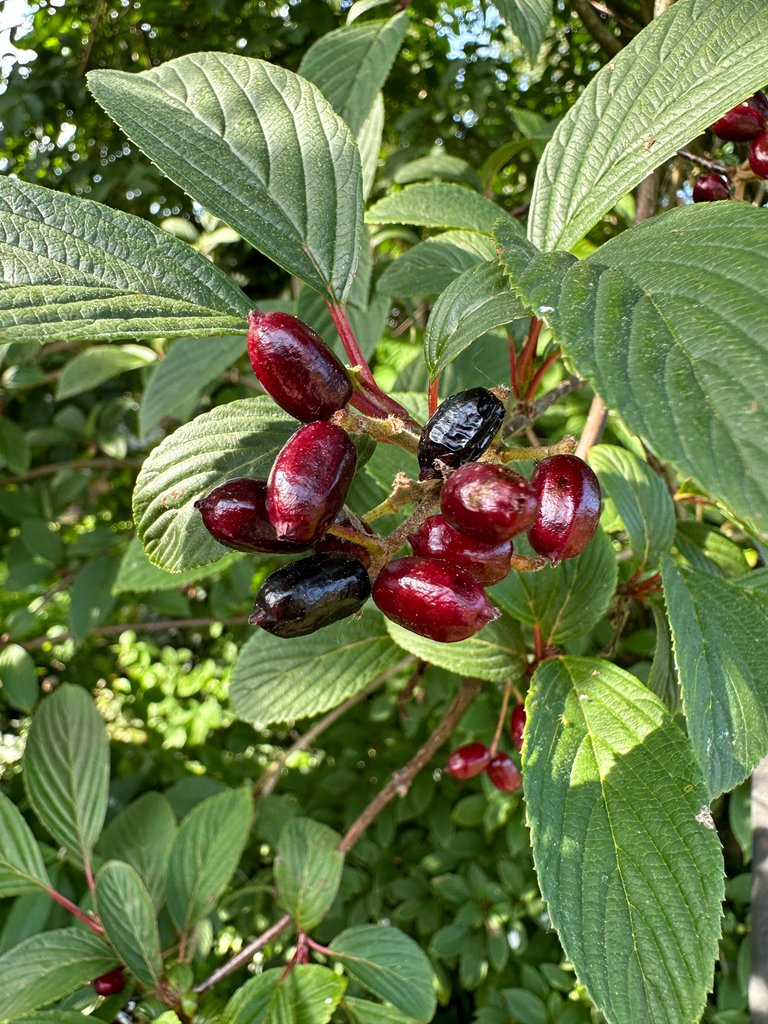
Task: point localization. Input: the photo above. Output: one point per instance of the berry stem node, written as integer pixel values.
(566, 446)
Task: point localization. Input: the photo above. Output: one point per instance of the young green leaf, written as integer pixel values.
(308, 995)
(439, 205)
(66, 768)
(387, 963)
(259, 147)
(18, 678)
(76, 270)
(720, 635)
(142, 835)
(529, 20)
(624, 845)
(666, 86)
(362, 1011)
(91, 599)
(126, 911)
(430, 266)
(278, 680)
(21, 864)
(308, 870)
(49, 966)
(234, 440)
(205, 855)
(88, 369)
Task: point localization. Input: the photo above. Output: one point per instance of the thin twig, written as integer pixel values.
(702, 161)
(525, 417)
(246, 954)
(594, 24)
(115, 630)
(57, 467)
(593, 428)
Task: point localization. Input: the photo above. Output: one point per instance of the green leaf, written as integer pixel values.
(720, 636)
(439, 206)
(308, 870)
(102, 362)
(75, 270)
(205, 855)
(278, 680)
(664, 88)
(308, 995)
(529, 20)
(565, 602)
(259, 147)
(49, 966)
(91, 601)
(126, 911)
(137, 575)
(474, 303)
(525, 1007)
(641, 498)
(55, 1017)
(369, 143)
(178, 380)
(662, 679)
(21, 864)
(430, 266)
(361, 1011)
(390, 965)
(496, 653)
(235, 440)
(66, 768)
(351, 64)
(441, 165)
(142, 835)
(14, 443)
(18, 677)
(625, 849)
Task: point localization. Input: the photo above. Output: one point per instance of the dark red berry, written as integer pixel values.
(488, 502)
(329, 542)
(504, 774)
(569, 507)
(111, 983)
(433, 598)
(309, 481)
(460, 430)
(236, 515)
(742, 123)
(311, 593)
(758, 156)
(436, 538)
(760, 102)
(710, 187)
(295, 366)
(517, 725)
(468, 761)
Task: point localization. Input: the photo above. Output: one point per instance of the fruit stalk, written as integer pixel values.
(566, 446)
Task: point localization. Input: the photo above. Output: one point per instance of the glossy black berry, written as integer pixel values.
(311, 593)
(460, 430)
(235, 514)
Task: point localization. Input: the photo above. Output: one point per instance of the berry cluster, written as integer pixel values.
(746, 122)
(475, 758)
(439, 590)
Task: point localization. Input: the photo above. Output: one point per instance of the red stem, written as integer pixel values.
(501, 719)
(513, 367)
(538, 646)
(432, 396)
(529, 352)
(534, 385)
(76, 911)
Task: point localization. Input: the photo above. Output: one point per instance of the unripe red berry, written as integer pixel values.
(310, 593)
(760, 102)
(742, 123)
(517, 725)
(460, 430)
(436, 538)
(309, 481)
(758, 156)
(488, 502)
(710, 187)
(295, 366)
(433, 598)
(235, 514)
(569, 507)
(468, 761)
(111, 983)
(504, 774)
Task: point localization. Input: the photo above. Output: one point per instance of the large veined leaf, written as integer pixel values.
(624, 845)
(362, 1011)
(142, 835)
(75, 270)
(126, 911)
(474, 303)
(308, 995)
(350, 65)
(439, 205)
(670, 323)
(369, 143)
(259, 147)
(671, 82)
(430, 266)
(138, 575)
(308, 870)
(21, 864)
(49, 966)
(720, 636)
(529, 20)
(66, 768)
(279, 680)
(235, 440)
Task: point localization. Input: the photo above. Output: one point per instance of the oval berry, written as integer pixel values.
(433, 598)
(741, 124)
(330, 542)
(758, 156)
(309, 481)
(460, 430)
(468, 761)
(311, 593)
(517, 725)
(709, 188)
(504, 774)
(488, 502)
(235, 514)
(760, 102)
(569, 507)
(436, 538)
(111, 983)
(295, 366)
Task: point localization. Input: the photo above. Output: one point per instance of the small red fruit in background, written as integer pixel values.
(235, 514)
(709, 188)
(741, 124)
(570, 504)
(436, 538)
(517, 725)
(111, 983)
(468, 761)
(488, 502)
(504, 774)
(758, 156)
